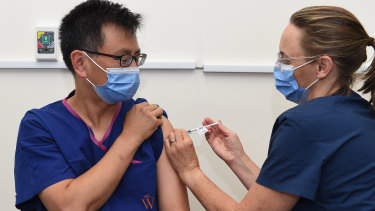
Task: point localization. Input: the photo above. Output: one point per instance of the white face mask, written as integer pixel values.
(122, 83)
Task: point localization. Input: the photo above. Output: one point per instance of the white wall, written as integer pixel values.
(192, 30)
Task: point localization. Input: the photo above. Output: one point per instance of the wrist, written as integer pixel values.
(230, 161)
(191, 176)
(238, 161)
(129, 137)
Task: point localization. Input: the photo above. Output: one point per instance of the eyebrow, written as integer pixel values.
(127, 51)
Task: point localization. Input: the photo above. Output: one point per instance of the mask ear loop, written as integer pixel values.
(94, 62)
(96, 65)
(306, 93)
(90, 82)
(305, 63)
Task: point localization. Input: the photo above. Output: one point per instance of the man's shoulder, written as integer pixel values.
(50, 109)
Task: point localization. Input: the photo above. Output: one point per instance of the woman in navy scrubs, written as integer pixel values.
(322, 152)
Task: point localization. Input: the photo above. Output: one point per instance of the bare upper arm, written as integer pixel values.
(263, 198)
(172, 192)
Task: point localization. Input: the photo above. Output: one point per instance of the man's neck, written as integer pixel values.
(92, 109)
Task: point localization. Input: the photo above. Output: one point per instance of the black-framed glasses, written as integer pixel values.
(126, 59)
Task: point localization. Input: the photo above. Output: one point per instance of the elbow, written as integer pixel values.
(82, 207)
(78, 208)
(72, 205)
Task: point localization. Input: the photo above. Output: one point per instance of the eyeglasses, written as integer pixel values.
(286, 60)
(125, 60)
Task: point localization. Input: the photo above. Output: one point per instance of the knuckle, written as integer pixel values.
(138, 105)
(143, 109)
(190, 144)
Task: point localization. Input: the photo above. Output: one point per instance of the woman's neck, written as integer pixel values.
(324, 88)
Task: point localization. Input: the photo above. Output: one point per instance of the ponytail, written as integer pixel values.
(369, 77)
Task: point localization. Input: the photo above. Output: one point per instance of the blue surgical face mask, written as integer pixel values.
(122, 83)
(287, 84)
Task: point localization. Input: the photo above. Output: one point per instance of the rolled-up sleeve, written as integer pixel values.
(39, 163)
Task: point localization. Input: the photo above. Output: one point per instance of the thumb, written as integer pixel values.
(222, 128)
(207, 121)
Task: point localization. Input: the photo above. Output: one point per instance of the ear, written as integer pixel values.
(78, 61)
(325, 66)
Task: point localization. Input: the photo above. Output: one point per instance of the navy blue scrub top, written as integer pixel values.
(55, 144)
(324, 152)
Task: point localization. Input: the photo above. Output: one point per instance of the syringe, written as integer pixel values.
(202, 129)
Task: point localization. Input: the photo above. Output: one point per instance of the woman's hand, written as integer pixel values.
(181, 153)
(223, 141)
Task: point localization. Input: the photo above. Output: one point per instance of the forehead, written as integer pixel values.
(290, 42)
(118, 40)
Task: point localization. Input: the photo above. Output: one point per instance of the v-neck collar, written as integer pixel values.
(99, 143)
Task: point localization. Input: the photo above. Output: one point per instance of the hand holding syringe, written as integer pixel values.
(201, 130)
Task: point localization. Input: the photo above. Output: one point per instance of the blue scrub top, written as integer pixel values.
(55, 144)
(324, 152)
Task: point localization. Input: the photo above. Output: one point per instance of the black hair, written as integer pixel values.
(81, 27)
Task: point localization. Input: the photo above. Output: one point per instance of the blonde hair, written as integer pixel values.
(335, 32)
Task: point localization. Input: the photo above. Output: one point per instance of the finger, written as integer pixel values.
(222, 128)
(171, 139)
(209, 128)
(207, 121)
(159, 122)
(189, 145)
(220, 125)
(168, 144)
(213, 128)
(172, 135)
(210, 136)
(152, 107)
(186, 136)
(209, 131)
(178, 135)
(143, 104)
(207, 134)
(158, 113)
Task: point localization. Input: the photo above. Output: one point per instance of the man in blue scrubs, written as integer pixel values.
(97, 149)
